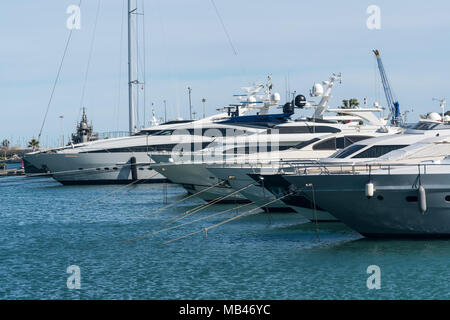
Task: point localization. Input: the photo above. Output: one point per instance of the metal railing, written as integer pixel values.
(357, 168)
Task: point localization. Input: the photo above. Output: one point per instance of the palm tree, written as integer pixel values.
(350, 104)
(5, 144)
(33, 143)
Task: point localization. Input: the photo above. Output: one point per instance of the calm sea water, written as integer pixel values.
(13, 165)
(46, 227)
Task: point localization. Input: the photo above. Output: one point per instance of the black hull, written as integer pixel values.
(112, 181)
(243, 201)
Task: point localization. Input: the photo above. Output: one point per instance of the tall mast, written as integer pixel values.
(131, 81)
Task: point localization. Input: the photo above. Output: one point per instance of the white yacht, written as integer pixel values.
(126, 159)
(362, 153)
(313, 138)
(404, 193)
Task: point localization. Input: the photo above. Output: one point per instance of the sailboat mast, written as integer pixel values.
(131, 81)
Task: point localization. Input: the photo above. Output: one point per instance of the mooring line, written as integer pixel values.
(198, 209)
(225, 221)
(183, 199)
(109, 193)
(116, 190)
(184, 224)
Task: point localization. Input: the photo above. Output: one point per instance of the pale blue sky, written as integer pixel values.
(186, 46)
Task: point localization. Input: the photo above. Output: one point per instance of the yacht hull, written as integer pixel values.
(96, 168)
(196, 179)
(255, 193)
(279, 187)
(393, 210)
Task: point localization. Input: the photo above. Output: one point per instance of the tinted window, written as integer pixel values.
(327, 144)
(163, 133)
(148, 132)
(349, 140)
(343, 142)
(212, 132)
(324, 129)
(287, 130)
(348, 151)
(378, 151)
(305, 143)
(254, 149)
(307, 129)
(149, 148)
(340, 143)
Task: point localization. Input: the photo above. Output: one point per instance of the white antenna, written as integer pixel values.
(325, 96)
(442, 103)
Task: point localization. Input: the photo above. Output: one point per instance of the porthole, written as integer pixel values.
(80, 168)
(411, 198)
(447, 198)
(380, 197)
(115, 168)
(106, 168)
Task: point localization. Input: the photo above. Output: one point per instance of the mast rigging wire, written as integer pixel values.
(224, 28)
(56, 79)
(230, 41)
(91, 49)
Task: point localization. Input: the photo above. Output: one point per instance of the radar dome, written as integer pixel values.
(434, 116)
(317, 90)
(275, 97)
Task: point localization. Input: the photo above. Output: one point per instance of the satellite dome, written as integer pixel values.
(275, 97)
(317, 90)
(434, 116)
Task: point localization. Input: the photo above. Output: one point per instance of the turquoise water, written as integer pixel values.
(44, 229)
(13, 165)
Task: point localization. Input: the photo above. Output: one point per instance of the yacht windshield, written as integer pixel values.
(348, 151)
(378, 151)
(431, 126)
